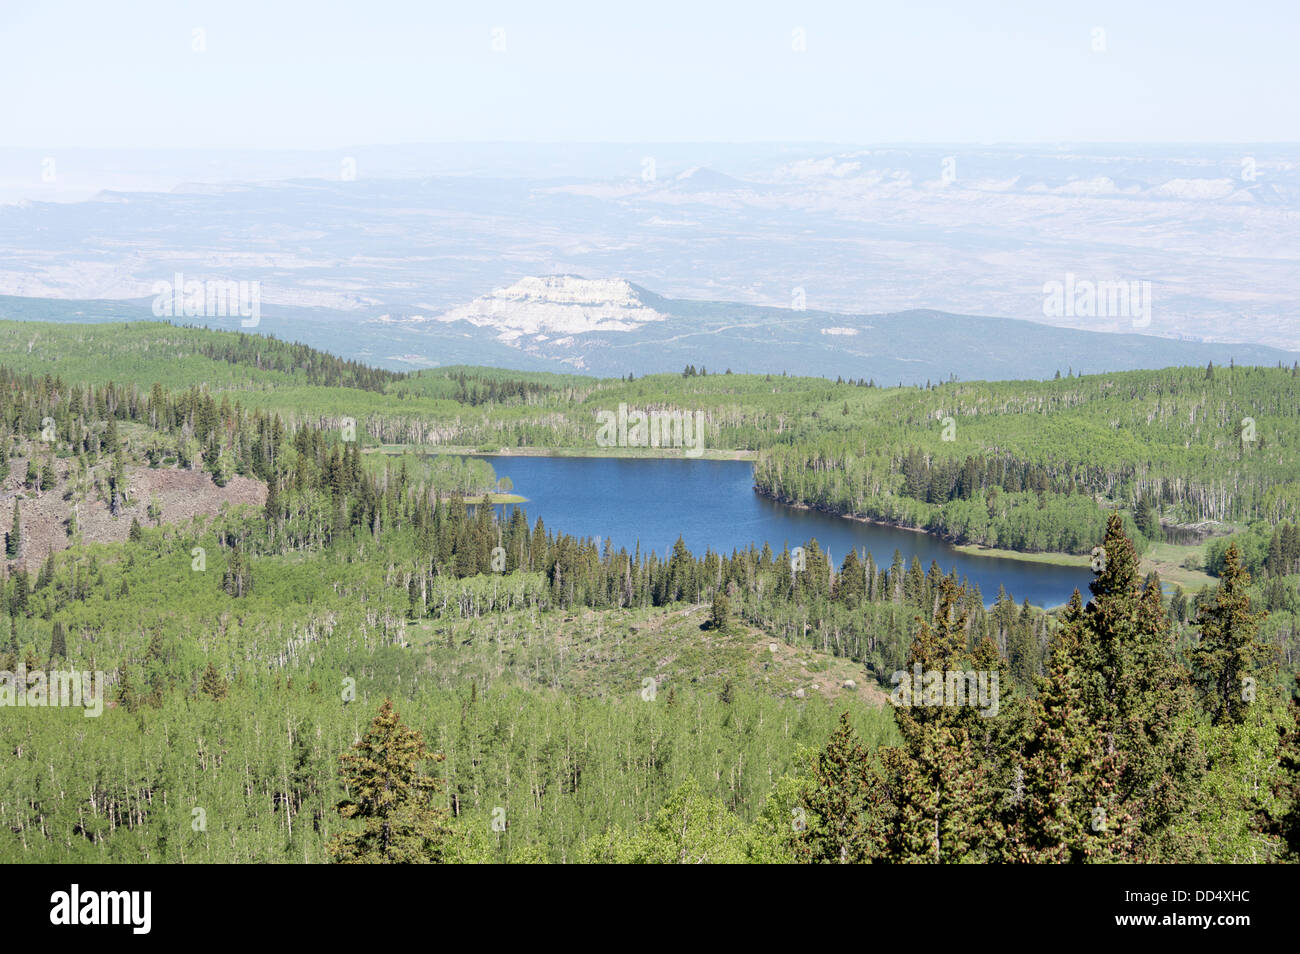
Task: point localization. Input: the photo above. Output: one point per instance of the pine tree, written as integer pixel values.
(1023, 652)
(14, 539)
(237, 580)
(1136, 697)
(940, 781)
(1064, 802)
(850, 587)
(45, 576)
(157, 669)
(391, 796)
(720, 613)
(1282, 820)
(1227, 663)
(127, 695)
(843, 804)
(213, 685)
(48, 478)
(1147, 519)
(271, 509)
(58, 642)
(20, 592)
(414, 605)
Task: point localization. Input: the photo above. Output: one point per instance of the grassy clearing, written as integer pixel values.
(613, 652)
(1054, 559)
(496, 499)
(1171, 561)
(1168, 559)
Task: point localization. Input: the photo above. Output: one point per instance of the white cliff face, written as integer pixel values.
(557, 305)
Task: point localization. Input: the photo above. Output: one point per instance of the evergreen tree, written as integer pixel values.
(940, 781)
(851, 586)
(127, 695)
(1147, 519)
(1136, 698)
(1023, 652)
(19, 593)
(45, 576)
(48, 478)
(843, 804)
(391, 796)
(213, 685)
(237, 580)
(58, 642)
(1283, 819)
(1227, 663)
(720, 613)
(1064, 802)
(14, 539)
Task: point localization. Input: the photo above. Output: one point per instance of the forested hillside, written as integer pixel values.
(1027, 467)
(574, 702)
(1030, 466)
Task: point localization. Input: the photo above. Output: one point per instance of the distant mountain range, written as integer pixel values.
(1212, 231)
(612, 327)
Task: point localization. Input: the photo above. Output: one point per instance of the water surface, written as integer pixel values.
(712, 505)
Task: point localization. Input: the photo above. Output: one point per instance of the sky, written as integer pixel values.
(324, 74)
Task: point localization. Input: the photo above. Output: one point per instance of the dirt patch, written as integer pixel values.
(179, 494)
(830, 678)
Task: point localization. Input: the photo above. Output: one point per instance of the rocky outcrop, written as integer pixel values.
(554, 305)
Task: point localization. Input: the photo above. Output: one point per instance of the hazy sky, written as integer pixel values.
(325, 74)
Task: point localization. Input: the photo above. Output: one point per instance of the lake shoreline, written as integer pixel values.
(1053, 558)
(1190, 581)
(497, 499)
(714, 506)
(659, 453)
(624, 453)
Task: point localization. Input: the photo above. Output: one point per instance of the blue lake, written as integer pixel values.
(712, 505)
